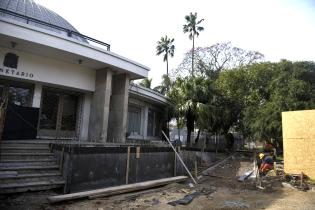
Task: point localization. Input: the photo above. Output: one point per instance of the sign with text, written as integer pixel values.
(15, 73)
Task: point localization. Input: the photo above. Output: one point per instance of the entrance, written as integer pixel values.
(59, 114)
(18, 120)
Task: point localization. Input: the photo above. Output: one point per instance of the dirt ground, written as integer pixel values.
(220, 190)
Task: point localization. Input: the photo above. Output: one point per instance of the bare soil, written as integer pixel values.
(220, 190)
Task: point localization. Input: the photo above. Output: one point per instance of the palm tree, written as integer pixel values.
(193, 29)
(166, 46)
(146, 82)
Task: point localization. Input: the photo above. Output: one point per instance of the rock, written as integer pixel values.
(235, 205)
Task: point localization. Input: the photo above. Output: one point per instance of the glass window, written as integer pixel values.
(20, 96)
(154, 123)
(1, 93)
(49, 110)
(157, 124)
(150, 122)
(69, 112)
(134, 120)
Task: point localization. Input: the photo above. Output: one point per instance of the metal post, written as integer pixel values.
(180, 159)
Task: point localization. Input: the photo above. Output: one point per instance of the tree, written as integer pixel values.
(210, 61)
(165, 85)
(146, 82)
(264, 90)
(165, 46)
(192, 27)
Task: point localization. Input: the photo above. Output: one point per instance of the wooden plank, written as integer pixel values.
(138, 152)
(196, 169)
(117, 190)
(127, 165)
(175, 164)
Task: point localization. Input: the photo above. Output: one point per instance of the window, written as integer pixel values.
(154, 123)
(18, 93)
(150, 123)
(134, 120)
(11, 60)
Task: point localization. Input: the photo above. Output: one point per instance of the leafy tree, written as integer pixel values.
(192, 27)
(262, 91)
(165, 46)
(210, 61)
(146, 82)
(165, 85)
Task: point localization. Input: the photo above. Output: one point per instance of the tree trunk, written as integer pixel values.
(167, 66)
(178, 129)
(197, 138)
(189, 124)
(192, 56)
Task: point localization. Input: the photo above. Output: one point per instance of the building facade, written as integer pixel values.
(56, 83)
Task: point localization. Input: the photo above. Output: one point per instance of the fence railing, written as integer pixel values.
(69, 32)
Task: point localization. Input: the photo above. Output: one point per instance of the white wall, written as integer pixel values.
(46, 70)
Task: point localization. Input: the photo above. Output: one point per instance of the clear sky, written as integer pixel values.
(277, 28)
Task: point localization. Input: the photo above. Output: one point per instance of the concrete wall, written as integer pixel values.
(299, 142)
(96, 167)
(46, 70)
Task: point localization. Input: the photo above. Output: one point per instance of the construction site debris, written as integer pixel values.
(117, 190)
(245, 176)
(185, 200)
(235, 205)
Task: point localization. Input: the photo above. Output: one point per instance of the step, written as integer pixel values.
(15, 175)
(28, 146)
(36, 159)
(17, 164)
(19, 150)
(24, 155)
(32, 151)
(24, 143)
(31, 186)
(33, 177)
(27, 168)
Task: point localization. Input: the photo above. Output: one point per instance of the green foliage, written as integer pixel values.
(192, 27)
(165, 46)
(264, 90)
(146, 82)
(165, 85)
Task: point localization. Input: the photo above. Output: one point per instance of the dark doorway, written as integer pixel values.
(18, 118)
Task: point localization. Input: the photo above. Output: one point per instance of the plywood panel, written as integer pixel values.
(299, 142)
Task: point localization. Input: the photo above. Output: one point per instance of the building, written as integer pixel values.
(56, 83)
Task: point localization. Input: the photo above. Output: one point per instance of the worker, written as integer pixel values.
(266, 164)
(260, 159)
(268, 147)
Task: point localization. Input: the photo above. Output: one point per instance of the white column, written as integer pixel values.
(145, 122)
(85, 115)
(37, 95)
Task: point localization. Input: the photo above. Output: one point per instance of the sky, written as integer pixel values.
(280, 29)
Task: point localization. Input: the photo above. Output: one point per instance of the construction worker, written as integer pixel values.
(266, 163)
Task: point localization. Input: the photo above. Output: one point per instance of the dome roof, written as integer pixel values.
(31, 9)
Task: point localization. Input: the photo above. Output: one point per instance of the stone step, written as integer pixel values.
(28, 168)
(25, 142)
(49, 183)
(24, 155)
(32, 177)
(24, 150)
(35, 159)
(31, 163)
(23, 146)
